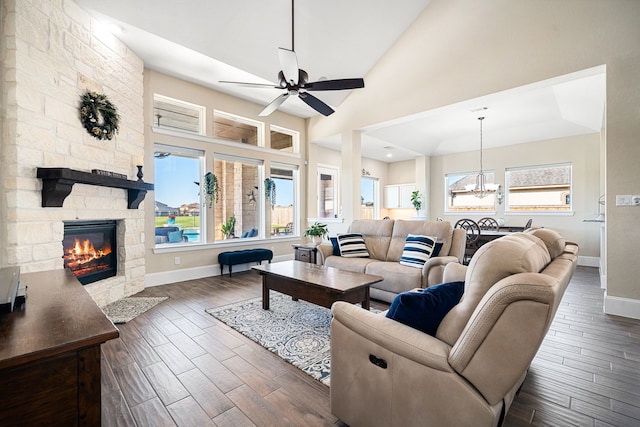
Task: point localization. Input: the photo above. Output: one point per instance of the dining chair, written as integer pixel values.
(528, 224)
(473, 236)
(488, 223)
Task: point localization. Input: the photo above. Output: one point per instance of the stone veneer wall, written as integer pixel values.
(51, 52)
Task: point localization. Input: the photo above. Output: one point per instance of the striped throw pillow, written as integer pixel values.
(417, 250)
(352, 246)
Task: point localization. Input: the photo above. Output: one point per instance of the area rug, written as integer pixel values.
(129, 308)
(297, 331)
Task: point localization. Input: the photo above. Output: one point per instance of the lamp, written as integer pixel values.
(480, 190)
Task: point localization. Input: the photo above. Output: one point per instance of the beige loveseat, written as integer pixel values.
(385, 240)
(384, 373)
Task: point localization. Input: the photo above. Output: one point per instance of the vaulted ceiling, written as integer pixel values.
(213, 40)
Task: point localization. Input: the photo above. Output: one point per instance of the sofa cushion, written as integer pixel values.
(440, 230)
(175, 236)
(377, 235)
(424, 310)
(352, 246)
(397, 277)
(552, 239)
(357, 265)
(417, 250)
(336, 247)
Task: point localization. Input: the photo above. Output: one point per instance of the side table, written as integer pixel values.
(305, 252)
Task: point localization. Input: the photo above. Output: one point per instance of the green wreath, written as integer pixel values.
(98, 115)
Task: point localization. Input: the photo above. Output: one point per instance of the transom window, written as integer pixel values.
(539, 188)
(179, 115)
(460, 196)
(237, 129)
(284, 139)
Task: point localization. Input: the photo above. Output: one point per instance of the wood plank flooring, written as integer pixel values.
(176, 365)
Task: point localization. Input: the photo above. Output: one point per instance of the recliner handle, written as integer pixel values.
(378, 361)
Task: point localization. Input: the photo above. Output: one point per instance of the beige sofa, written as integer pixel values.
(384, 373)
(385, 240)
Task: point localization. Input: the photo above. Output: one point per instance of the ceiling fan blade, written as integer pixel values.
(273, 106)
(339, 84)
(316, 104)
(265, 85)
(289, 65)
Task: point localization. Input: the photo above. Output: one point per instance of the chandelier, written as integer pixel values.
(480, 190)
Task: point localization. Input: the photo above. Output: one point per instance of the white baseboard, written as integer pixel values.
(174, 276)
(625, 307)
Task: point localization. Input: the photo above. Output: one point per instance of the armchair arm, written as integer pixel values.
(454, 272)
(393, 336)
(324, 251)
(433, 269)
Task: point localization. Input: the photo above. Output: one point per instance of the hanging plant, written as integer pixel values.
(211, 188)
(270, 191)
(98, 115)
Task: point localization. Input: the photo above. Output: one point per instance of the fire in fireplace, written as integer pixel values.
(90, 249)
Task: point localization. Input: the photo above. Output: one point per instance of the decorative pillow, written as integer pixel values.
(175, 236)
(437, 249)
(161, 239)
(425, 310)
(352, 246)
(417, 250)
(253, 232)
(336, 247)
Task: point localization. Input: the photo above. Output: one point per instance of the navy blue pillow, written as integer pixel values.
(436, 249)
(425, 310)
(336, 247)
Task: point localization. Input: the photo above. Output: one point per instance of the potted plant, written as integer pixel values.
(415, 200)
(316, 231)
(228, 228)
(270, 191)
(211, 188)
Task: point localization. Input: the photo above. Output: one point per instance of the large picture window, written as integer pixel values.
(237, 215)
(460, 196)
(539, 188)
(369, 207)
(177, 195)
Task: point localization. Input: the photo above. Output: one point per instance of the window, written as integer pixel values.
(284, 139)
(539, 188)
(236, 211)
(368, 198)
(283, 208)
(177, 194)
(237, 129)
(327, 192)
(174, 114)
(459, 193)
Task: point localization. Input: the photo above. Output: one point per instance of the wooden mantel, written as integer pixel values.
(57, 184)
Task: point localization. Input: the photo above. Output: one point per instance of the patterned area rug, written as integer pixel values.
(129, 308)
(297, 331)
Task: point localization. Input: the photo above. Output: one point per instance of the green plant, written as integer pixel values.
(228, 228)
(211, 188)
(415, 200)
(270, 190)
(316, 230)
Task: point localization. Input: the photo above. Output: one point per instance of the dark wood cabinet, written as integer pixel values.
(305, 252)
(50, 354)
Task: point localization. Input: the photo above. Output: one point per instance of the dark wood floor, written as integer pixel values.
(176, 365)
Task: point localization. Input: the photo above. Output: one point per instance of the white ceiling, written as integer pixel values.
(213, 40)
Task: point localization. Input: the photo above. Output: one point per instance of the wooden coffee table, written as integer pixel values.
(314, 283)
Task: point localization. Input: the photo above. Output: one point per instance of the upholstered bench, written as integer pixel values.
(232, 258)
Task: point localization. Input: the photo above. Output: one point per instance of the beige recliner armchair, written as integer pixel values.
(384, 373)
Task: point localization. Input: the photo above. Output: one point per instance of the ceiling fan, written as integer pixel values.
(294, 81)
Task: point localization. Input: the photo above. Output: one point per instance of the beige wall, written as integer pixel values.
(458, 50)
(583, 152)
(200, 260)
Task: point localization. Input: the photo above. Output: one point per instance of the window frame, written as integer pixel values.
(507, 187)
(199, 109)
(334, 171)
(491, 186)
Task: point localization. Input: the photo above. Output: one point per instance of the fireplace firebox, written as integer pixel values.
(90, 250)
